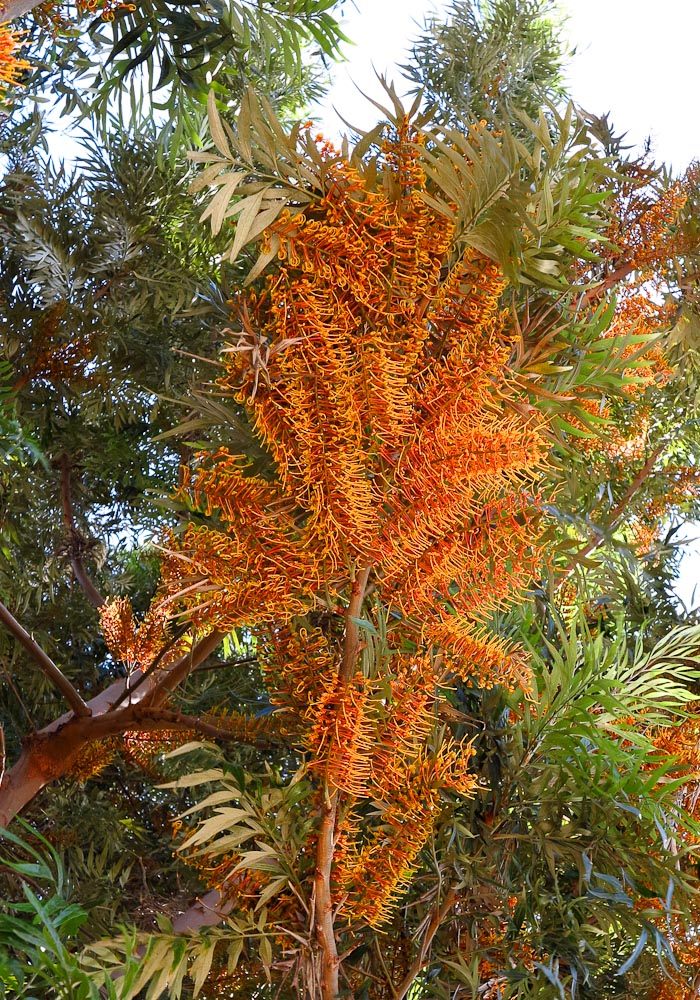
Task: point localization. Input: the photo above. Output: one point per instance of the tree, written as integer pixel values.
(433, 490)
(494, 59)
(415, 753)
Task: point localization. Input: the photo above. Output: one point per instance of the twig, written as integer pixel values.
(74, 538)
(18, 696)
(617, 511)
(48, 667)
(437, 918)
(351, 643)
(148, 719)
(221, 664)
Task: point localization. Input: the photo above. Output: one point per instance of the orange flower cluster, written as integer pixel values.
(644, 225)
(49, 353)
(384, 403)
(139, 748)
(681, 484)
(682, 741)
(645, 234)
(93, 758)
(503, 954)
(373, 366)
(137, 646)
(296, 662)
(11, 66)
(373, 742)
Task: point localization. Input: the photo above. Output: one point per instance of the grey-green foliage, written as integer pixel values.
(40, 926)
(105, 276)
(159, 60)
(567, 851)
(490, 58)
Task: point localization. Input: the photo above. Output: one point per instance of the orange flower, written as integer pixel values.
(11, 66)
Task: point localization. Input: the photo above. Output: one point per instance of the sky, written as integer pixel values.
(637, 60)
(629, 61)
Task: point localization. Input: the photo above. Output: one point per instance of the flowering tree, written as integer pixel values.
(415, 762)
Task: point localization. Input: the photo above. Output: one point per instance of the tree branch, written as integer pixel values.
(208, 910)
(49, 753)
(323, 913)
(612, 279)
(46, 664)
(618, 510)
(147, 720)
(436, 920)
(13, 9)
(75, 540)
(351, 642)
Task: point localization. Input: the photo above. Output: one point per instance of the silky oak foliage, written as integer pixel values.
(424, 799)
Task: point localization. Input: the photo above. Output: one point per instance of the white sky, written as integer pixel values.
(637, 59)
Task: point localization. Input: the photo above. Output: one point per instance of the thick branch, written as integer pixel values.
(614, 278)
(436, 920)
(210, 909)
(48, 667)
(13, 9)
(154, 719)
(50, 753)
(325, 932)
(74, 539)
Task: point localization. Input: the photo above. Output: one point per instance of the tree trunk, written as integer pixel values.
(12, 9)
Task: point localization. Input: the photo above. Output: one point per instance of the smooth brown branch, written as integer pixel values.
(155, 719)
(610, 281)
(50, 753)
(74, 539)
(323, 912)
(323, 909)
(434, 923)
(351, 642)
(46, 664)
(12, 9)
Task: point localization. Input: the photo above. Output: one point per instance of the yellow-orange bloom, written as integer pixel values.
(11, 66)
